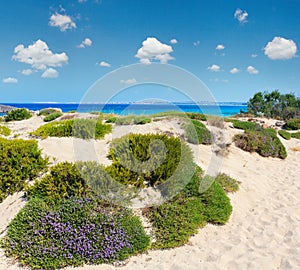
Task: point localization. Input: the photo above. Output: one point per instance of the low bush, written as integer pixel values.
(284, 134)
(175, 221)
(196, 116)
(296, 135)
(48, 111)
(197, 133)
(264, 142)
(132, 120)
(147, 160)
(111, 119)
(48, 234)
(245, 125)
(21, 160)
(63, 181)
(17, 115)
(52, 116)
(4, 131)
(293, 124)
(79, 128)
(228, 184)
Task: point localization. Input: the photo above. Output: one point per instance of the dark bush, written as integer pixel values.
(48, 111)
(52, 116)
(296, 135)
(245, 125)
(284, 134)
(48, 234)
(264, 142)
(197, 133)
(293, 124)
(20, 160)
(17, 115)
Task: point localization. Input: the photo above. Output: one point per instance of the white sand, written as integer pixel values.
(263, 231)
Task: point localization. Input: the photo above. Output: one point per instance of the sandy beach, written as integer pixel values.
(262, 233)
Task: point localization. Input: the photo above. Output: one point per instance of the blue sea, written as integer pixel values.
(222, 109)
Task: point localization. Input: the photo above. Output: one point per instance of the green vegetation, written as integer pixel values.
(20, 161)
(293, 124)
(4, 131)
(147, 160)
(284, 134)
(296, 135)
(245, 125)
(228, 184)
(63, 181)
(48, 111)
(79, 128)
(49, 234)
(17, 115)
(111, 119)
(52, 116)
(274, 105)
(265, 142)
(174, 222)
(197, 133)
(132, 120)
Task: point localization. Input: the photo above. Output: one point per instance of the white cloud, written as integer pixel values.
(81, 1)
(104, 64)
(50, 73)
(64, 22)
(234, 71)
(173, 41)
(196, 43)
(252, 70)
(85, 42)
(220, 47)
(129, 81)
(214, 68)
(280, 49)
(241, 15)
(39, 56)
(153, 49)
(253, 55)
(10, 80)
(27, 72)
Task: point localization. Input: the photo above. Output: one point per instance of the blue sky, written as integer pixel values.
(56, 50)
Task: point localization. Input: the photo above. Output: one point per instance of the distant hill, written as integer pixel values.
(5, 108)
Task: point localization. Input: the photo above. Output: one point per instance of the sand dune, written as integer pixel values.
(263, 231)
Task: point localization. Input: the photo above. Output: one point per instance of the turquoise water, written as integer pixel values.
(138, 109)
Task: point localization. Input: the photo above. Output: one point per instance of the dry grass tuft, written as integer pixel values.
(296, 149)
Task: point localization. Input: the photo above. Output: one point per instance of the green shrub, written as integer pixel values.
(228, 184)
(79, 128)
(147, 160)
(52, 116)
(284, 134)
(245, 125)
(197, 133)
(4, 131)
(111, 119)
(296, 135)
(48, 111)
(63, 181)
(17, 115)
(175, 221)
(20, 161)
(48, 234)
(293, 124)
(264, 142)
(196, 116)
(132, 120)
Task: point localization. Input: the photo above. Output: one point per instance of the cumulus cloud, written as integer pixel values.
(63, 22)
(27, 72)
(220, 47)
(129, 81)
(253, 55)
(173, 41)
(196, 43)
(241, 15)
(280, 49)
(153, 49)
(50, 73)
(39, 56)
(86, 42)
(104, 64)
(214, 68)
(234, 71)
(252, 70)
(10, 80)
